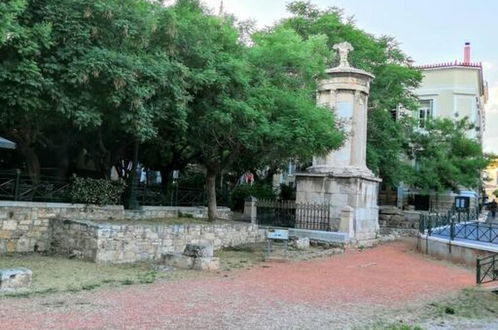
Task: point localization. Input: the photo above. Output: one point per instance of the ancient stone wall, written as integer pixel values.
(23, 230)
(26, 226)
(115, 243)
(392, 217)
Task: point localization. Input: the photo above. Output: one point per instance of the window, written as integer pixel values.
(424, 112)
(462, 202)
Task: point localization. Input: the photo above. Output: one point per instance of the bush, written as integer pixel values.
(287, 192)
(96, 191)
(243, 191)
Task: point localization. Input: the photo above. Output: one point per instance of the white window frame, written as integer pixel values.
(427, 111)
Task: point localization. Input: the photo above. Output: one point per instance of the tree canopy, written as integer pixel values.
(445, 157)
(85, 82)
(391, 88)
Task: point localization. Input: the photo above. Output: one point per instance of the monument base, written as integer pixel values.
(352, 195)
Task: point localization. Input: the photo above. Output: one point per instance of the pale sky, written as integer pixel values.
(429, 31)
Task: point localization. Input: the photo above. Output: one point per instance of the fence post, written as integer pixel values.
(477, 230)
(18, 182)
(452, 229)
(346, 224)
(478, 271)
(250, 209)
(495, 275)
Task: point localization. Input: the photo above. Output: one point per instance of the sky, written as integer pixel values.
(429, 31)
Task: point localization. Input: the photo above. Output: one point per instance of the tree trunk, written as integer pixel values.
(211, 194)
(32, 162)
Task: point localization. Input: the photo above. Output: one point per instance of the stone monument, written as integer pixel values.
(342, 178)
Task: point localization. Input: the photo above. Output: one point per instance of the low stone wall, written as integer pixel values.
(23, 230)
(454, 251)
(393, 217)
(25, 226)
(115, 243)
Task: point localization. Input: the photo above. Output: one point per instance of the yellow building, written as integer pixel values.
(491, 180)
(453, 90)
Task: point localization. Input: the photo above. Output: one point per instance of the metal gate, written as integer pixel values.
(290, 214)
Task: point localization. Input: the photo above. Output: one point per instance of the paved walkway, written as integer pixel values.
(328, 293)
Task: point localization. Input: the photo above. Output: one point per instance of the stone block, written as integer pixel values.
(301, 243)
(9, 225)
(177, 260)
(15, 278)
(200, 250)
(208, 264)
(11, 247)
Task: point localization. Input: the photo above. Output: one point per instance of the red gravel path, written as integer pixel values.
(323, 293)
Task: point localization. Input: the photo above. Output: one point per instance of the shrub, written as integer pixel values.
(96, 191)
(287, 192)
(243, 191)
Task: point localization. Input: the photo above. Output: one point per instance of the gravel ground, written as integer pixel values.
(345, 291)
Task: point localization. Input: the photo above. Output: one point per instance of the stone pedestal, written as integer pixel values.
(14, 279)
(353, 201)
(342, 178)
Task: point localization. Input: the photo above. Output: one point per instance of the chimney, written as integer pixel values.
(466, 53)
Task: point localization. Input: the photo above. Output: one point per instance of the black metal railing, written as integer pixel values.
(157, 195)
(487, 269)
(17, 186)
(290, 214)
(20, 187)
(458, 224)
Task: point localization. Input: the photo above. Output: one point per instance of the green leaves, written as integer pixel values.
(96, 191)
(391, 88)
(446, 158)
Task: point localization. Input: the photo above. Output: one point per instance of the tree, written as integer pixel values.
(88, 67)
(445, 157)
(251, 102)
(9, 11)
(25, 108)
(390, 89)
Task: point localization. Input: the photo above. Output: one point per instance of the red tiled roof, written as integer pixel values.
(449, 65)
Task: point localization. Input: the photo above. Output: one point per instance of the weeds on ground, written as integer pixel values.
(471, 303)
(58, 274)
(394, 326)
(242, 256)
(184, 219)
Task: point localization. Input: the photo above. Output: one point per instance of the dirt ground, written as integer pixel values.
(370, 288)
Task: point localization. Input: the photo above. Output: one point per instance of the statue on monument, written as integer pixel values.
(341, 178)
(343, 50)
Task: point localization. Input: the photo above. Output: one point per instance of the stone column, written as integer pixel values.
(342, 178)
(345, 91)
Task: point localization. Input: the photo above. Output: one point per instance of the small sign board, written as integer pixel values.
(280, 234)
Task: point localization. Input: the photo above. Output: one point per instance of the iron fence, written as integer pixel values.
(17, 186)
(20, 187)
(487, 269)
(459, 224)
(290, 214)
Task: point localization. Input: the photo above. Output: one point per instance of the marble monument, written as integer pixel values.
(341, 178)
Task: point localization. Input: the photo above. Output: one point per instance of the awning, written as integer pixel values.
(6, 144)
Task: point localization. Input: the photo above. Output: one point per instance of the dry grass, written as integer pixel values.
(468, 309)
(242, 256)
(59, 274)
(165, 221)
